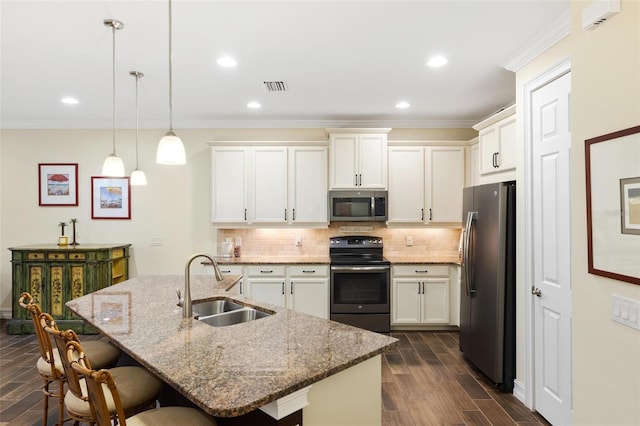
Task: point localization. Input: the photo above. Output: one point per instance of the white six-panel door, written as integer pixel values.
(551, 286)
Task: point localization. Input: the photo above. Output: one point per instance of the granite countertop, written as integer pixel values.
(273, 260)
(227, 371)
(324, 260)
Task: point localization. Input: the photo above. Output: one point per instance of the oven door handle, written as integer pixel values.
(360, 268)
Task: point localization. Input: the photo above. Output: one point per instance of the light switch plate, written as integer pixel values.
(625, 311)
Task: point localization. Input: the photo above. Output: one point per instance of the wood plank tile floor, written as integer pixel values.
(425, 381)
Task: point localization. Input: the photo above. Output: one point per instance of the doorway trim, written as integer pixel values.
(561, 68)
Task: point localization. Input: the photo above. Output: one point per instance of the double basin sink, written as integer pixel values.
(223, 312)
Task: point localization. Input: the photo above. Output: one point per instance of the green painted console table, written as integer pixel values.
(54, 275)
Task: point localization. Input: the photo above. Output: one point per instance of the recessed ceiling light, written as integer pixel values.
(254, 105)
(227, 62)
(437, 61)
(403, 105)
(69, 100)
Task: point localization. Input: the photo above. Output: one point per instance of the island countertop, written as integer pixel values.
(227, 371)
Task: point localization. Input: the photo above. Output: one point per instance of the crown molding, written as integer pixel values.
(553, 33)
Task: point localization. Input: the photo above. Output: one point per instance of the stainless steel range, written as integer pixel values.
(360, 286)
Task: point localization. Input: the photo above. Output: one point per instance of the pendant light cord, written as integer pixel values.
(137, 75)
(170, 71)
(113, 30)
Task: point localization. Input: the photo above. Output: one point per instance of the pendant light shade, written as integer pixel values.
(170, 148)
(113, 165)
(137, 176)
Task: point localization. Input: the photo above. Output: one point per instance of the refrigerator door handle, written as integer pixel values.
(465, 260)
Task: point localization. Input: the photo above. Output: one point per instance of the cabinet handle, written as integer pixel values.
(245, 214)
(240, 287)
(293, 214)
(313, 271)
(421, 214)
(266, 272)
(356, 176)
(360, 175)
(418, 287)
(291, 287)
(421, 272)
(282, 287)
(430, 215)
(285, 215)
(228, 271)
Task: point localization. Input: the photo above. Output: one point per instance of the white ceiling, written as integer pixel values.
(346, 63)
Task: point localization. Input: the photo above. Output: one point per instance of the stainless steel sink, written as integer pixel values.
(237, 316)
(213, 307)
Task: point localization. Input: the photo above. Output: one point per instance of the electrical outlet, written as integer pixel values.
(409, 240)
(625, 311)
(156, 242)
(238, 241)
(298, 241)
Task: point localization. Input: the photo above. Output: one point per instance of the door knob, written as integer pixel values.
(536, 291)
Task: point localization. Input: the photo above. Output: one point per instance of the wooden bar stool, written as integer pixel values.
(139, 387)
(49, 364)
(107, 401)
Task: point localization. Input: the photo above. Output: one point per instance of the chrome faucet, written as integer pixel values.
(186, 304)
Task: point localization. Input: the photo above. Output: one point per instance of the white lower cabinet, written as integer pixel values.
(420, 295)
(238, 289)
(302, 288)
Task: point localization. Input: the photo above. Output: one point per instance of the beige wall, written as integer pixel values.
(605, 96)
(173, 206)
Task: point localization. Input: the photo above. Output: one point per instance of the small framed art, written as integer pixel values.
(58, 184)
(110, 198)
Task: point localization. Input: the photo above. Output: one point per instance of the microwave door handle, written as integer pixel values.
(373, 206)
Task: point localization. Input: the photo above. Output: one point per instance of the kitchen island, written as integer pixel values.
(231, 371)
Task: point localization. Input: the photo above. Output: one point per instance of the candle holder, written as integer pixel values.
(73, 226)
(62, 240)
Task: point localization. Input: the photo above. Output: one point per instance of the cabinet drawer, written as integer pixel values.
(116, 253)
(35, 256)
(420, 270)
(56, 256)
(77, 256)
(230, 269)
(301, 271)
(266, 271)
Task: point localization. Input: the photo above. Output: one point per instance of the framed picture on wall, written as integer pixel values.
(58, 184)
(110, 198)
(613, 204)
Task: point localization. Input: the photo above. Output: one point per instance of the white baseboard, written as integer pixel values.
(5, 314)
(519, 391)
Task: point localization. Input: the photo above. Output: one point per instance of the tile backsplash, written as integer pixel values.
(315, 242)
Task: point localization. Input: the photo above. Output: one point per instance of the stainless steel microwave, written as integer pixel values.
(357, 206)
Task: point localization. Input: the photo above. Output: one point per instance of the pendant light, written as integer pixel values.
(113, 165)
(137, 176)
(170, 148)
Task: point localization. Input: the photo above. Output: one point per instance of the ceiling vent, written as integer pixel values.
(275, 86)
(598, 12)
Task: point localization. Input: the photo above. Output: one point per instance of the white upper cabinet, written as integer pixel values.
(445, 167)
(406, 185)
(359, 160)
(425, 184)
(308, 185)
(269, 182)
(274, 185)
(229, 184)
(497, 142)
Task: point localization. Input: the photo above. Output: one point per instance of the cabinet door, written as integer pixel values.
(372, 161)
(406, 184)
(310, 296)
(489, 140)
(308, 185)
(445, 180)
(507, 137)
(343, 161)
(435, 301)
(269, 185)
(267, 290)
(405, 307)
(229, 168)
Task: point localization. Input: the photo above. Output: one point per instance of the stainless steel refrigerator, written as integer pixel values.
(487, 301)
